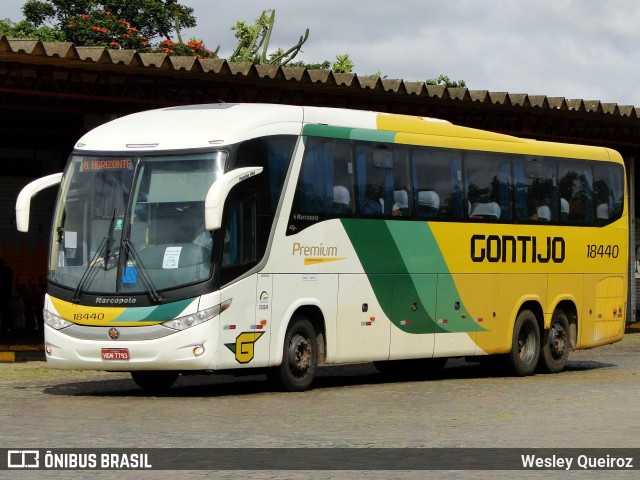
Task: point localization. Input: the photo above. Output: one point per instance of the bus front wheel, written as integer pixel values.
(525, 346)
(299, 357)
(154, 381)
(554, 353)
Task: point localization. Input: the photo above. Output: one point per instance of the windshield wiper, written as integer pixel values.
(144, 274)
(109, 240)
(91, 271)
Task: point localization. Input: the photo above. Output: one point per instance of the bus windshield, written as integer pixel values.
(133, 224)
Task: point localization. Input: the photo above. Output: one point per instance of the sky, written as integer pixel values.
(587, 49)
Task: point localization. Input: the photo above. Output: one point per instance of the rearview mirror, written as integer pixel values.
(218, 192)
(23, 204)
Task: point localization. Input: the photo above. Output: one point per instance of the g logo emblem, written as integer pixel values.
(244, 346)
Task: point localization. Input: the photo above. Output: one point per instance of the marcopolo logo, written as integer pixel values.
(520, 249)
(116, 301)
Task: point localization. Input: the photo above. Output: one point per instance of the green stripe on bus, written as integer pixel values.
(364, 134)
(161, 313)
(391, 252)
(313, 130)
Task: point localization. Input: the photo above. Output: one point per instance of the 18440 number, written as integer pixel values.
(601, 251)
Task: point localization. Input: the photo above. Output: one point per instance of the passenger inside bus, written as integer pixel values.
(341, 200)
(401, 205)
(372, 205)
(543, 213)
(428, 204)
(564, 209)
(485, 211)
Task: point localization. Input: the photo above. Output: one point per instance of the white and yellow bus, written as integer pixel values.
(224, 237)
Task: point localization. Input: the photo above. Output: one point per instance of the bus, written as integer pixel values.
(255, 238)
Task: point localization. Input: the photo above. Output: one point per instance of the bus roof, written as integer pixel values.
(211, 125)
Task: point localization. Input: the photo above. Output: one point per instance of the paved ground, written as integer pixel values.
(592, 404)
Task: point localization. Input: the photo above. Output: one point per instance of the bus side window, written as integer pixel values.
(576, 187)
(608, 189)
(401, 185)
(239, 252)
(437, 191)
(325, 185)
(383, 181)
(371, 166)
(534, 192)
(489, 187)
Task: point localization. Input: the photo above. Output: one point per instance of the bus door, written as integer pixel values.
(245, 325)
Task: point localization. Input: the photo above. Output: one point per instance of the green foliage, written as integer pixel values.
(127, 24)
(134, 24)
(253, 42)
(151, 18)
(326, 65)
(446, 82)
(102, 28)
(378, 74)
(24, 29)
(343, 64)
(194, 47)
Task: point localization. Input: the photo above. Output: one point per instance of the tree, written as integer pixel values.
(114, 23)
(446, 82)
(23, 29)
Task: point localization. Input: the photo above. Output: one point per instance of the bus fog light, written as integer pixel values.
(48, 348)
(198, 350)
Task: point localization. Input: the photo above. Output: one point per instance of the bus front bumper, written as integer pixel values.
(190, 349)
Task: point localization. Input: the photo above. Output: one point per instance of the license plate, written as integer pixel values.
(115, 354)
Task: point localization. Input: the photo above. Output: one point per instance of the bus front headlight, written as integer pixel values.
(54, 321)
(182, 323)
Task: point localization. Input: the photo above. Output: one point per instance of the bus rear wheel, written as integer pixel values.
(554, 353)
(299, 357)
(525, 344)
(154, 380)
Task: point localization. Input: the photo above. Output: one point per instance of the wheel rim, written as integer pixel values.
(557, 340)
(299, 355)
(526, 345)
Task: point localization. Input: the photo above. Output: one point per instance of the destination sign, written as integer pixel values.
(101, 165)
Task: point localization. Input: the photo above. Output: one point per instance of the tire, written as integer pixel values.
(556, 345)
(299, 357)
(154, 380)
(418, 368)
(525, 344)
